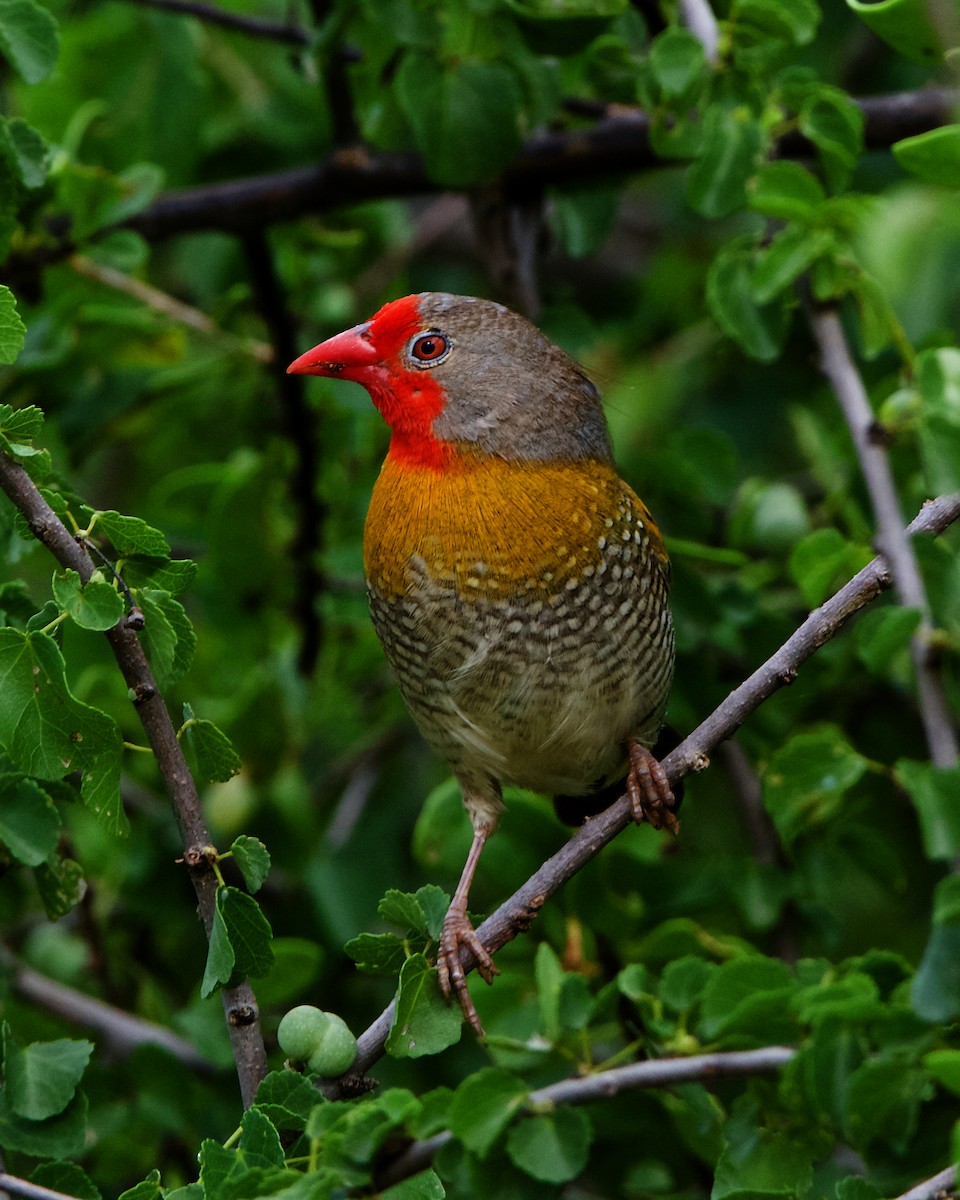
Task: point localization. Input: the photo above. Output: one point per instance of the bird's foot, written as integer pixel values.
(457, 932)
(651, 796)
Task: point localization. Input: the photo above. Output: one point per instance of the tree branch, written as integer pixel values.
(122, 1032)
(12, 1185)
(518, 912)
(943, 1184)
(615, 145)
(585, 1089)
(239, 1003)
(841, 371)
(698, 17)
(300, 428)
(293, 35)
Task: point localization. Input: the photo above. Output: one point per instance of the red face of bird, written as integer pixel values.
(450, 373)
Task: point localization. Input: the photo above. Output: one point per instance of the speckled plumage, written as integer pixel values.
(518, 585)
(524, 612)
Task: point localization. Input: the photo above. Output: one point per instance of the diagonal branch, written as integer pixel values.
(122, 1031)
(824, 623)
(585, 1089)
(240, 1005)
(841, 371)
(293, 35)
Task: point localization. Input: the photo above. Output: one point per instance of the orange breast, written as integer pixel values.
(494, 527)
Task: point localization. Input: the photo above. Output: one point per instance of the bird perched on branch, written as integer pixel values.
(518, 585)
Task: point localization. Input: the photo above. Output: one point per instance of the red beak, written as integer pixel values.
(349, 355)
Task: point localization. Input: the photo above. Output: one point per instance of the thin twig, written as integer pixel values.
(838, 365)
(293, 35)
(122, 1032)
(585, 1089)
(239, 1003)
(166, 305)
(11, 1185)
(943, 1184)
(698, 17)
(300, 426)
(615, 145)
(517, 913)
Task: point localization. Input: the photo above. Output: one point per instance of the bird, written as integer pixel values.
(519, 587)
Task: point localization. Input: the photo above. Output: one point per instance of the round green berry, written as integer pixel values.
(336, 1051)
(301, 1031)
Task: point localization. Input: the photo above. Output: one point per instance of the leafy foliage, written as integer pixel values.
(810, 901)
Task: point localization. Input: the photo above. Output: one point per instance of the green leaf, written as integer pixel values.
(677, 61)
(65, 1177)
(759, 1163)
(552, 1147)
(131, 535)
(45, 730)
(61, 886)
(483, 1105)
(748, 995)
(549, 975)
(28, 38)
(248, 930)
(935, 993)
(835, 126)
(434, 902)
(425, 1186)
(56, 1137)
(220, 955)
(146, 1189)
(168, 635)
(28, 151)
(253, 859)
(883, 1103)
(287, 1098)
(760, 331)
(40, 1079)
(403, 909)
(794, 23)
(933, 156)
(934, 791)
(807, 778)
(29, 820)
(822, 561)
(100, 790)
(216, 759)
(95, 604)
(377, 953)
(944, 1066)
(11, 327)
(424, 1022)
(789, 253)
(883, 634)
(20, 424)
(683, 982)
(786, 191)
(259, 1140)
(940, 452)
(732, 144)
(464, 116)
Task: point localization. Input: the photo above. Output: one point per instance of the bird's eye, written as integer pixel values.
(429, 348)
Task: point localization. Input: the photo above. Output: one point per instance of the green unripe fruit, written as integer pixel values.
(301, 1030)
(336, 1051)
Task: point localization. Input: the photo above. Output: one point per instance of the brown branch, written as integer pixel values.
(167, 305)
(516, 914)
(293, 35)
(122, 1032)
(841, 371)
(602, 1085)
(239, 1003)
(613, 146)
(943, 1184)
(12, 1185)
(300, 428)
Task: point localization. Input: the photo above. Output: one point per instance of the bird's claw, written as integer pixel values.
(457, 932)
(651, 796)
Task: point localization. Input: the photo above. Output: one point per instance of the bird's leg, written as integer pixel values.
(457, 932)
(651, 795)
